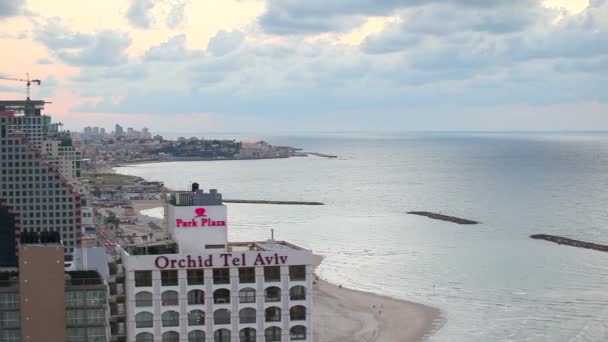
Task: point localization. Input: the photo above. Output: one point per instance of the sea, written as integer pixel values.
(491, 281)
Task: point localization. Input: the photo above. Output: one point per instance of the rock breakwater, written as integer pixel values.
(443, 217)
(570, 242)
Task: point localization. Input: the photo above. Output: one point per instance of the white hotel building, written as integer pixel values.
(198, 287)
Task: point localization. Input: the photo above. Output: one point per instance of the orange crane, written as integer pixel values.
(28, 82)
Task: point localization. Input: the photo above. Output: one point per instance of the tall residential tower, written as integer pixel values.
(34, 185)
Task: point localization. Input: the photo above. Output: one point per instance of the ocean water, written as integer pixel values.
(491, 281)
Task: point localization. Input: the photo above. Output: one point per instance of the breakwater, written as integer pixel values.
(570, 242)
(442, 217)
(271, 202)
(330, 156)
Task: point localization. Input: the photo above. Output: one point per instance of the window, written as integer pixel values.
(247, 335)
(169, 298)
(196, 336)
(273, 334)
(74, 334)
(247, 295)
(170, 319)
(272, 273)
(221, 335)
(170, 336)
(143, 278)
(247, 315)
(273, 314)
(246, 275)
(95, 297)
(297, 313)
(196, 317)
(196, 277)
(143, 299)
(221, 296)
(297, 332)
(96, 334)
(74, 298)
(196, 297)
(9, 319)
(297, 293)
(168, 278)
(273, 294)
(9, 300)
(221, 316)
(95, 316)
(143, 320)
(221, 276)
(297, 272)
(144, 337)
(74, 317)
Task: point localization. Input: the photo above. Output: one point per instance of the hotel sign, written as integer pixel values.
(213, 216)
(220, 260)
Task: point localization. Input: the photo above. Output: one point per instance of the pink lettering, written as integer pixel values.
(161, 262)
(181, 263)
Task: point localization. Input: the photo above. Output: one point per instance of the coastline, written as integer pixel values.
(343, 314)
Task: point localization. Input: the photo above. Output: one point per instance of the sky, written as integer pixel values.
(311, 65)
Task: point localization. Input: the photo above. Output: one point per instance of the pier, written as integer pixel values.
(331, 156)
(441, 217)
(271, 202)
(570, 242)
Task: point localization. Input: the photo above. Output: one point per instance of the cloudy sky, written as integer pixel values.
(308, 65)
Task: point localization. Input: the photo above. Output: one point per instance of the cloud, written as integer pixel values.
(176, 16)
(284, 17)
(103, 47)
(143, 13)
(54, 35)
(47, 88)
(139, 13)
(482, 57)
(224, 42)
(174, 49)
(11, 8)
(44, 61)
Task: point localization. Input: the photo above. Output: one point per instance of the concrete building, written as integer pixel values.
(197, 286)
(32, 184)
(10, 228)
(40, 302)
(119, 131)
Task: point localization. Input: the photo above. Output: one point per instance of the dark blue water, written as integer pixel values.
(492, 281)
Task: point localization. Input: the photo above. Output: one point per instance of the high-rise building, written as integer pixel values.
(198, 286)
(119, 132)
(9, 234)
(32, 183)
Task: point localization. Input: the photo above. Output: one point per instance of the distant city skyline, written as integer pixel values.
(274, 65)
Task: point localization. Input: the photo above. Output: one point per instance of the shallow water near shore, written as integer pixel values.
(491, 280)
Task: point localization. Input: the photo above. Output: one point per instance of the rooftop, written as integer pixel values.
(170, 247)
(27, 107)
(194, 197)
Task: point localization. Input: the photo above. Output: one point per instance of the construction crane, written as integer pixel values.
(28, 82)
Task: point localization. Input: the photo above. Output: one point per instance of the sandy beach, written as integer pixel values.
(342, 314)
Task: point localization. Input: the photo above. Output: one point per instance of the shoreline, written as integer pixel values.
(343, 314)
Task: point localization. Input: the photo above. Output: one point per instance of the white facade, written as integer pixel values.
(246, 291)
(198, 227)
